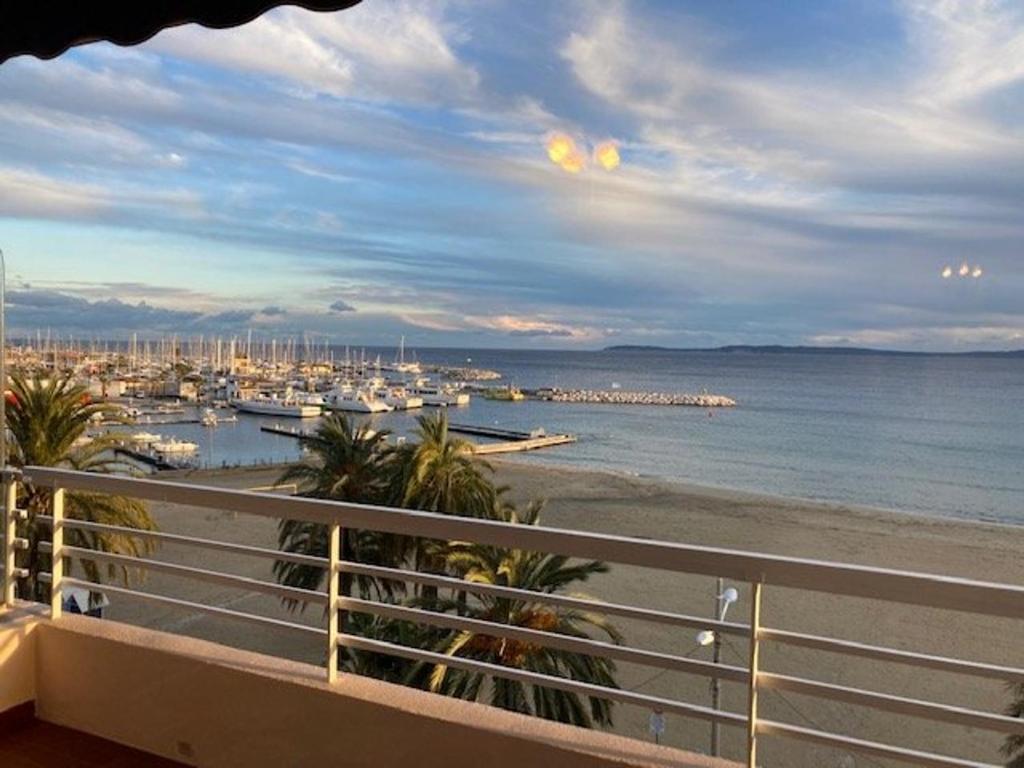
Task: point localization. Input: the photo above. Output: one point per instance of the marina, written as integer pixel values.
(226, 402)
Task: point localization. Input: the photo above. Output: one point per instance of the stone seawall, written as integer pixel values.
(621, 397)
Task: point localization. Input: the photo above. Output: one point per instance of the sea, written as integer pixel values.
(929, 434)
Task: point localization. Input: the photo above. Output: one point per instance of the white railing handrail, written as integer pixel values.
(908, 587)
(758, 569)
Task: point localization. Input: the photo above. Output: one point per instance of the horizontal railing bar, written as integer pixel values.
(888, 703)
(771, 728)
(838, 579)
(879, 653)
(199, 574)
(547, 681)
(548, 639)
(615, 609)
(193, 606)
(192, 541)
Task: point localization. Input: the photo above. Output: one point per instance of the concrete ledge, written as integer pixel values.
(208, 705)
(18, 654)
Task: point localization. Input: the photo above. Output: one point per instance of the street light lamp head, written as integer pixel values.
(730, 596)
(705, 638)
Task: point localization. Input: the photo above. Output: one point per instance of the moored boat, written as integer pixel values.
(287, 407)
(356, 401)
(439, 395)
(174, 445)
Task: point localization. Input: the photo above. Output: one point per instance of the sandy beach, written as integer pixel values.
(650, 508)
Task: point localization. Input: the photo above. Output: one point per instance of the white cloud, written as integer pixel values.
(33, 195)
(390, 52)
(972, 47)
(803, 127)
(30, 194)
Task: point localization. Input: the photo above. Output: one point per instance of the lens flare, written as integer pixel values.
(607, 155)
(574, 162)
(977, 272)
(965, 269)
(947, 272)
(560, 147)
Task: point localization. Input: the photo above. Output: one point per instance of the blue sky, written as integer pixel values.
(795, 173)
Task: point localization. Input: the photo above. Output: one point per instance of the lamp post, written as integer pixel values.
(723, 599)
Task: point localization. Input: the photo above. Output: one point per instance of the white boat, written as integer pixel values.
(439, 395)
(146, 438)
(211, 419)
(356, 401)
(398, 398)
(275, 406)
(174, 445)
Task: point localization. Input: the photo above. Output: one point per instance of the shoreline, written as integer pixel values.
(512, 463)
(771, 499)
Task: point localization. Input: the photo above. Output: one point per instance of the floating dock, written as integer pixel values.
(513, 441)
(149, 422)
(507, 434)
(529, 444)
(285, 431)
(144, 458)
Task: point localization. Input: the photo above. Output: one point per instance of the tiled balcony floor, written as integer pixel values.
(29, 743)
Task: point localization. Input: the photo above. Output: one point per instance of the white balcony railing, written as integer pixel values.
(760, 571)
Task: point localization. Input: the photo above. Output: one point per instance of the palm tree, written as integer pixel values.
(354, 464)
(440, 473)
(537, 572)
(47, 420)
(343, 463)
(443, 475)
(1014, 746)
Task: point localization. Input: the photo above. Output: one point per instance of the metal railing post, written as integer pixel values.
(57, 553)
(333, 576)
(716, 658)
(755, 652)
(10, 521)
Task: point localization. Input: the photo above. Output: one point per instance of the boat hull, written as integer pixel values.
(355, 406)
(277, 409)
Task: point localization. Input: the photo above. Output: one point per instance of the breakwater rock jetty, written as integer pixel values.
(623, 397)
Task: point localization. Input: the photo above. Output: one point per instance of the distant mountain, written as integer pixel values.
(773, 349)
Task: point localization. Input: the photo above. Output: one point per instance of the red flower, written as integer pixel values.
(11, 398)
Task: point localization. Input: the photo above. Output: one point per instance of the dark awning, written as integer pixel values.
(46, 29)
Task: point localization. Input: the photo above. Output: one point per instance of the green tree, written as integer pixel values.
(439, 473)
(535, 572)
(48, 420)
(442, 474)
(1014, 747)
(343, 462)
